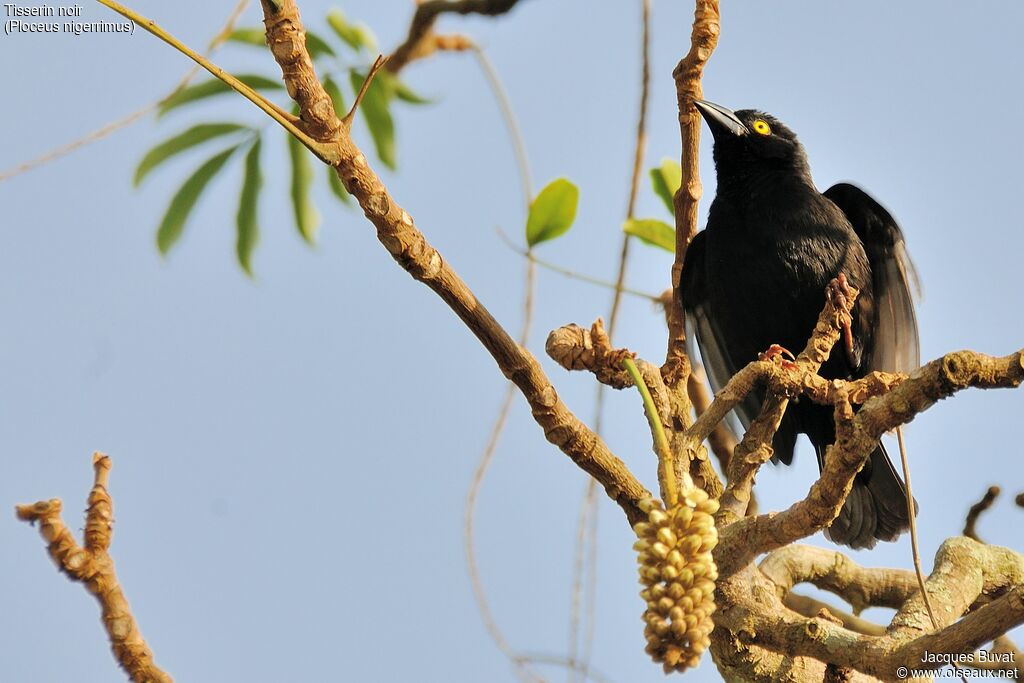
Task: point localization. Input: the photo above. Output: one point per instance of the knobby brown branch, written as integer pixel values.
(92, 566)
(397, 231)
(677, 369)
(422, 41)
(575, 348)
(987, 580)
(976, 510)
(687, 74)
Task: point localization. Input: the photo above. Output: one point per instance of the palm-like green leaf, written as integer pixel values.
(184, 200)
(248, 36)
(306, 218)
(394, 87)
(408, 95)
(196, 135)
(248, 208)
(212, 87)
(356, 36)
(376, 110)
(653, 232)
(317, 46)
(552, 211)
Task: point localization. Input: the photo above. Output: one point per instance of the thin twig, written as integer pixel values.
(912, 516)
(590, 593)
(421, 40)
(521, 664)
(377, 65)
(970, 524)
(469, 535)
(572, 274)
(638, 161)
(137, 115)
(326, 153)
(589, 503)
(511, 123)
(579, 570)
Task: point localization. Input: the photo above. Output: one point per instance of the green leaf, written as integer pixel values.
(248, 207)
(195, 135)
(356, 36)
(248, 36)
(184, 200)
(334, 92)
(307, 220)
(666, 180)
(337, 187)
(396, 88)
(377, 114)
(406, 94)
(201, 91)
(652, 231)
(552, 211)
(317, 46)
(367, 37)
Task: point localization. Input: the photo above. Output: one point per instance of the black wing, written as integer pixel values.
(699, 322)
(895, 346)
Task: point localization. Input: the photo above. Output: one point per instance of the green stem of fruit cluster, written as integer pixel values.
(666, 466)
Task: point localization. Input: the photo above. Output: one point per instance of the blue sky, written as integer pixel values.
(291, 454)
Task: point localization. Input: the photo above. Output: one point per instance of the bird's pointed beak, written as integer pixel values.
(720, 119)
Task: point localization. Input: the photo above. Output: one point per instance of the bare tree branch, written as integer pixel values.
(422, 41)
(687, 74)
(809, 607)
(92, 566)
(836, 573)
(408, 246)
(970, 524)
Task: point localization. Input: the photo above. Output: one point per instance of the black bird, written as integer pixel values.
(758, 274)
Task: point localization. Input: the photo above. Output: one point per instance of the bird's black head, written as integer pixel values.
(750, 141)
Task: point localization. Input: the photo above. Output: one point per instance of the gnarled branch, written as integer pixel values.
(422, 41)
(92, 566)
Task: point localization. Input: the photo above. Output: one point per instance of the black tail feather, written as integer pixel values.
(876, 508)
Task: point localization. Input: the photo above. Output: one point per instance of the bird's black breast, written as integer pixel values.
(768, 258)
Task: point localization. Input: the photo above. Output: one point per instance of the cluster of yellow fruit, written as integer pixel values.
(678, 575)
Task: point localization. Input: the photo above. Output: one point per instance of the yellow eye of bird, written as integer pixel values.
(762, 127)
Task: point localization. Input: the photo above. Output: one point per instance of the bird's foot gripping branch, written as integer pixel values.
(759, 631)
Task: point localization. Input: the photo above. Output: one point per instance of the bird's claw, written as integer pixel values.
(839, 293)
(785, 356)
